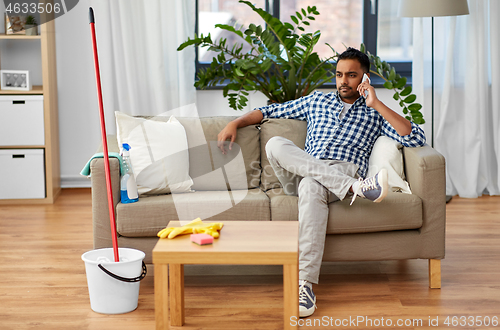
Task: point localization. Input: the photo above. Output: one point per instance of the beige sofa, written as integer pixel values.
(402, 226)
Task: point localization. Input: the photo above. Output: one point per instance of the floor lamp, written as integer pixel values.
(432, 8)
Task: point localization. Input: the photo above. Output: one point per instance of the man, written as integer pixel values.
(341, 130)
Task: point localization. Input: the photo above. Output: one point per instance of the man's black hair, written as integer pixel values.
(354, 54)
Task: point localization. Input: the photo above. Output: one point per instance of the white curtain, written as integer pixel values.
(467, 95)
(142, 73)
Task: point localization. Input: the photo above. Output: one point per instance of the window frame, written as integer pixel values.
(370, 33)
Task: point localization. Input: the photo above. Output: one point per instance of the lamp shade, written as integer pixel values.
(432, 8)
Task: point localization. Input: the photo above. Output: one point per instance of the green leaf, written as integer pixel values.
(419, 120)
(388, 85)
(294, 19)
(298, 15)
(410, 99)
(246, 64)
(392, 74)
(405, 110)
(301, 28)
(401, 83)
(304, 12)
(306, 23)
(406, 91)
(415, 107)
(230, 29)
(238, 72)
(396, 96)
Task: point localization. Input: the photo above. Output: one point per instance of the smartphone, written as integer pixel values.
(365, 78)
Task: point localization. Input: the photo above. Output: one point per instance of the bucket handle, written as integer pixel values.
(125, 279)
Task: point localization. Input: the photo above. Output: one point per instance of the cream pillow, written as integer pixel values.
(386, 153)
(159, 153)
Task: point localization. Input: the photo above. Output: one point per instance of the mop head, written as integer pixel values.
(194, 227)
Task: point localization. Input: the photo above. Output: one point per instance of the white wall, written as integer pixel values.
(79, 127)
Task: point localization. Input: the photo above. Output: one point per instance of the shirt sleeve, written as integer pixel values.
(294, 109)
(416, 138)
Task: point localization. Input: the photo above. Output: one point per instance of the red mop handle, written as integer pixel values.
(111, 206)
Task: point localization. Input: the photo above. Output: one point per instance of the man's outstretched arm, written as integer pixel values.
(229, 132)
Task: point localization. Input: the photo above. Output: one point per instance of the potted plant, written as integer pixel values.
(30, 26)
(282, 63)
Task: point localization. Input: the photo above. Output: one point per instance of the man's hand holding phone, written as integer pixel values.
(367, 90)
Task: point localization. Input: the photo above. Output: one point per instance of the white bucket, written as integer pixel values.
(109, 295)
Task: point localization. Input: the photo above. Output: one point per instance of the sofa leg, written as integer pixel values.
(435, 273)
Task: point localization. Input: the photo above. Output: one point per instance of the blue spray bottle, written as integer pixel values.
(128, 187)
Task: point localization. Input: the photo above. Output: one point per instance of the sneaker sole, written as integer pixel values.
(308, 312)
(383, 177)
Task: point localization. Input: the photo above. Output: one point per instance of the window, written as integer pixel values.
(395, 37)
(231, 12)
(342, 23)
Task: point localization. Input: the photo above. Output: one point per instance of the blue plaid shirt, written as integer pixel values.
(350, 139)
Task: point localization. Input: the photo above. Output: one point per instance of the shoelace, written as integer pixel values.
(364, 185)
(303, 295)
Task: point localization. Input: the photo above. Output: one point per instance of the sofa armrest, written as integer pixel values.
(426, 173)
(100, 212)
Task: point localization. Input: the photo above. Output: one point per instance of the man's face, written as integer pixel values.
(348, 76)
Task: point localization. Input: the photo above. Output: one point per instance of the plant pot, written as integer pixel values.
(31, 30)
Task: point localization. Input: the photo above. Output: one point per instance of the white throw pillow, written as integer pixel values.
(387, 153)
(159, 153)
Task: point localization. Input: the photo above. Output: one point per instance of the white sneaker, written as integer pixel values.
(374, 188)
(307, 299)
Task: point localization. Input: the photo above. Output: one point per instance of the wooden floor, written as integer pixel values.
(43, 282)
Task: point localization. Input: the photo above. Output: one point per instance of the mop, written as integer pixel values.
(111, 207)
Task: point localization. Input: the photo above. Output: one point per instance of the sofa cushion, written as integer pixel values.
(397, 211)
(158, 154)
(292, 129)
(153, 213)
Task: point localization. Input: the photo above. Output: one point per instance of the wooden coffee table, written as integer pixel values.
(240, 242)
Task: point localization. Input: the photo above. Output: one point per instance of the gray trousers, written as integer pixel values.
(317, 183)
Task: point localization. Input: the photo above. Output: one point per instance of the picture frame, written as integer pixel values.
(15, 24)
(15, 80)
